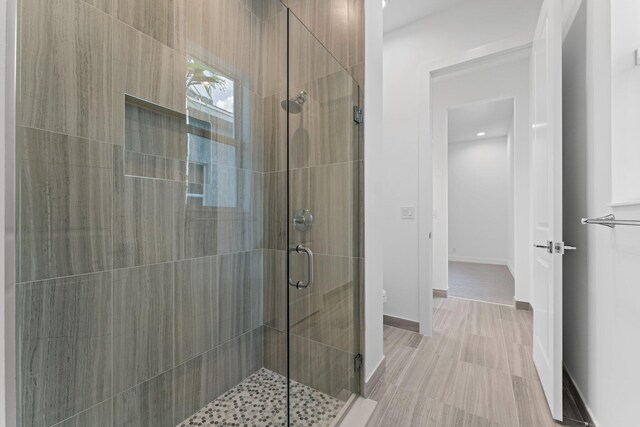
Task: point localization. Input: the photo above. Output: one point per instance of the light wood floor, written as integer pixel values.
(476, 370)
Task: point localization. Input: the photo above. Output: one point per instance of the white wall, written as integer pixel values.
(373, 155)
(601, 279)
(452, 33)
(625, 90)
(478, 201)
(502, 77)
(511, 200)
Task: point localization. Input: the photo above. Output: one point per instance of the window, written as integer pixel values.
(213, 149)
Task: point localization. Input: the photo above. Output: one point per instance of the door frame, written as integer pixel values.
(8, 61)
(516, 87)
(425, 150)
(425, 157)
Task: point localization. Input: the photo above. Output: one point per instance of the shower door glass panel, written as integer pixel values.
(324, 178)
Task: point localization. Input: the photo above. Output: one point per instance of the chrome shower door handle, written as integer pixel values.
(299, 284)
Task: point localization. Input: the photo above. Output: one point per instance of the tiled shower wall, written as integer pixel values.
(135, 306)
(339, 26)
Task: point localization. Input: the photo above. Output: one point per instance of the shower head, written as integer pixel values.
(291, 106)
(294, 105)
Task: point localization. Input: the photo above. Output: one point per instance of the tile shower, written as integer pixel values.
(157, 173)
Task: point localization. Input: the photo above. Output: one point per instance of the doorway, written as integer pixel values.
(472, 92)
(481, 201)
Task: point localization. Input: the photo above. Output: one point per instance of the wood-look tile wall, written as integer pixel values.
(133, 308)
(339, 26)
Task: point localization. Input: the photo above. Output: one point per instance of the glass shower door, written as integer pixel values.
(324, 200)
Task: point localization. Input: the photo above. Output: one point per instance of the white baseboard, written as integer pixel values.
(477, 260)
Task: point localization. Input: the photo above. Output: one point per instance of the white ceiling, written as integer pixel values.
(493, 117)
(399, 13)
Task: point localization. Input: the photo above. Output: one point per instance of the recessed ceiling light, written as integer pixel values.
(481, 134)
(384, 3)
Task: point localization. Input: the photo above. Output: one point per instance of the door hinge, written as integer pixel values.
(358, 114)
(357, 363)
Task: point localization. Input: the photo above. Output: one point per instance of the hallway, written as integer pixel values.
(476, 370)
(484, 282)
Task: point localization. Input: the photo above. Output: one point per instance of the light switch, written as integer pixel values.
(408, 212)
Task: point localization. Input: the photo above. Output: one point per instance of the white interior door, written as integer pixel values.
(546, 91)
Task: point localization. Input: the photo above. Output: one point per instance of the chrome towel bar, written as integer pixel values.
(610, 221)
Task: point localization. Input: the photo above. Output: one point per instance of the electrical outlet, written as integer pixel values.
(408, 212)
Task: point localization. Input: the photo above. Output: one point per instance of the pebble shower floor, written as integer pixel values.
(259, 401)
